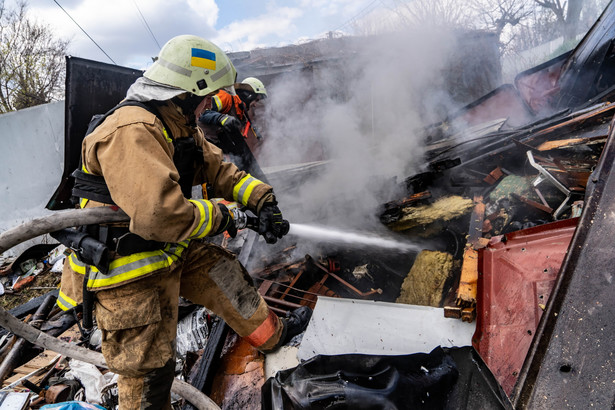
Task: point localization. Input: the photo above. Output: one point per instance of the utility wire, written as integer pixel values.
(361, 13)
(84, 32)
(146, 25)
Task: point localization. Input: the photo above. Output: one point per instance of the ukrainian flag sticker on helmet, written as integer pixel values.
(203, 58)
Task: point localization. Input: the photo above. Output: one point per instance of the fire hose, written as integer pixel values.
(57, 221)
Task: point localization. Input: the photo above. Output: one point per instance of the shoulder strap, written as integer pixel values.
(91, 186)
(99, 118)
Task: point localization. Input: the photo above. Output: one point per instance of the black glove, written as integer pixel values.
(271, 225)
(230, 123)
(228, 223)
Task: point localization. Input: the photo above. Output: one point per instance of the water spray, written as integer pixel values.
(328, 234)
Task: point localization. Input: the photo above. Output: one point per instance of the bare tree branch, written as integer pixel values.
(31, 60)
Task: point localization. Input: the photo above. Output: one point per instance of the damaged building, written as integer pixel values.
(482, 281)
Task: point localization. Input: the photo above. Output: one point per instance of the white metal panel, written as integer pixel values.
(341, 326)
(31, 164)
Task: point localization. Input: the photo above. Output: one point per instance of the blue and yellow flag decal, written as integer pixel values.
(203, 58)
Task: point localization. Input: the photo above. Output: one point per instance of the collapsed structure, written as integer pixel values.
(513, 204)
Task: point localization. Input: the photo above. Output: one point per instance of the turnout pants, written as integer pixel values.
(139, 320)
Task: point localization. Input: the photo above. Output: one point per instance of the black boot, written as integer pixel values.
(295, 322)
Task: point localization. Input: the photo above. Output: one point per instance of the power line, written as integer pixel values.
(84, 32)
(364, 11)
(146, 25)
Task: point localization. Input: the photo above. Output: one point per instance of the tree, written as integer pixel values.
(449, 13)
(31, 60)
(568, 14)
(497, 15)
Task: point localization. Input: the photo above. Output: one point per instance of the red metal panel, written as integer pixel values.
(517, 273)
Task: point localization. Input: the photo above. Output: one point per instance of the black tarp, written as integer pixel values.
(445, 378)
(92, 88)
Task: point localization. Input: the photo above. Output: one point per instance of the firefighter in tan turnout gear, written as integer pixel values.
(144, 158)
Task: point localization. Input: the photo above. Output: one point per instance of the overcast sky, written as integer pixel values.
(118, 27)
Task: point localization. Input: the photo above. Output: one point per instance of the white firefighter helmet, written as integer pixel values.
(254, 85)
(193, 64)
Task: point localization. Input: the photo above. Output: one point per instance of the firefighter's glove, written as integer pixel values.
(230, 123)
(228, 223)
(271, 225)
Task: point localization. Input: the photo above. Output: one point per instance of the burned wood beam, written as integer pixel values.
(475, 232)
(468, 314)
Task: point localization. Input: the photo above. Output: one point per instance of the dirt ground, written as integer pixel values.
(45, 280)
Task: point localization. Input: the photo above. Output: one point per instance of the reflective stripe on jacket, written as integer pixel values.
(65, 302)
(126, 268)
(226, 103)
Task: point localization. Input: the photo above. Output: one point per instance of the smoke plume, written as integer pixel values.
(363, 115)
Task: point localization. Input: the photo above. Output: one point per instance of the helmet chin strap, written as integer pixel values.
(188, 105)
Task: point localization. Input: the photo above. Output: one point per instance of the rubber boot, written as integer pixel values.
(295, 322)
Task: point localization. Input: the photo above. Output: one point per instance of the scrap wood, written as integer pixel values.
(35, 367)
(35, 374)
(41, 360)
(271, 269)
(468, 282)
(571, 142)
(494, 176)
(475, 231)
(534, 204)
(598, 113)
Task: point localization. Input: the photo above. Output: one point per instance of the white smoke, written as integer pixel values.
(366, 118)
